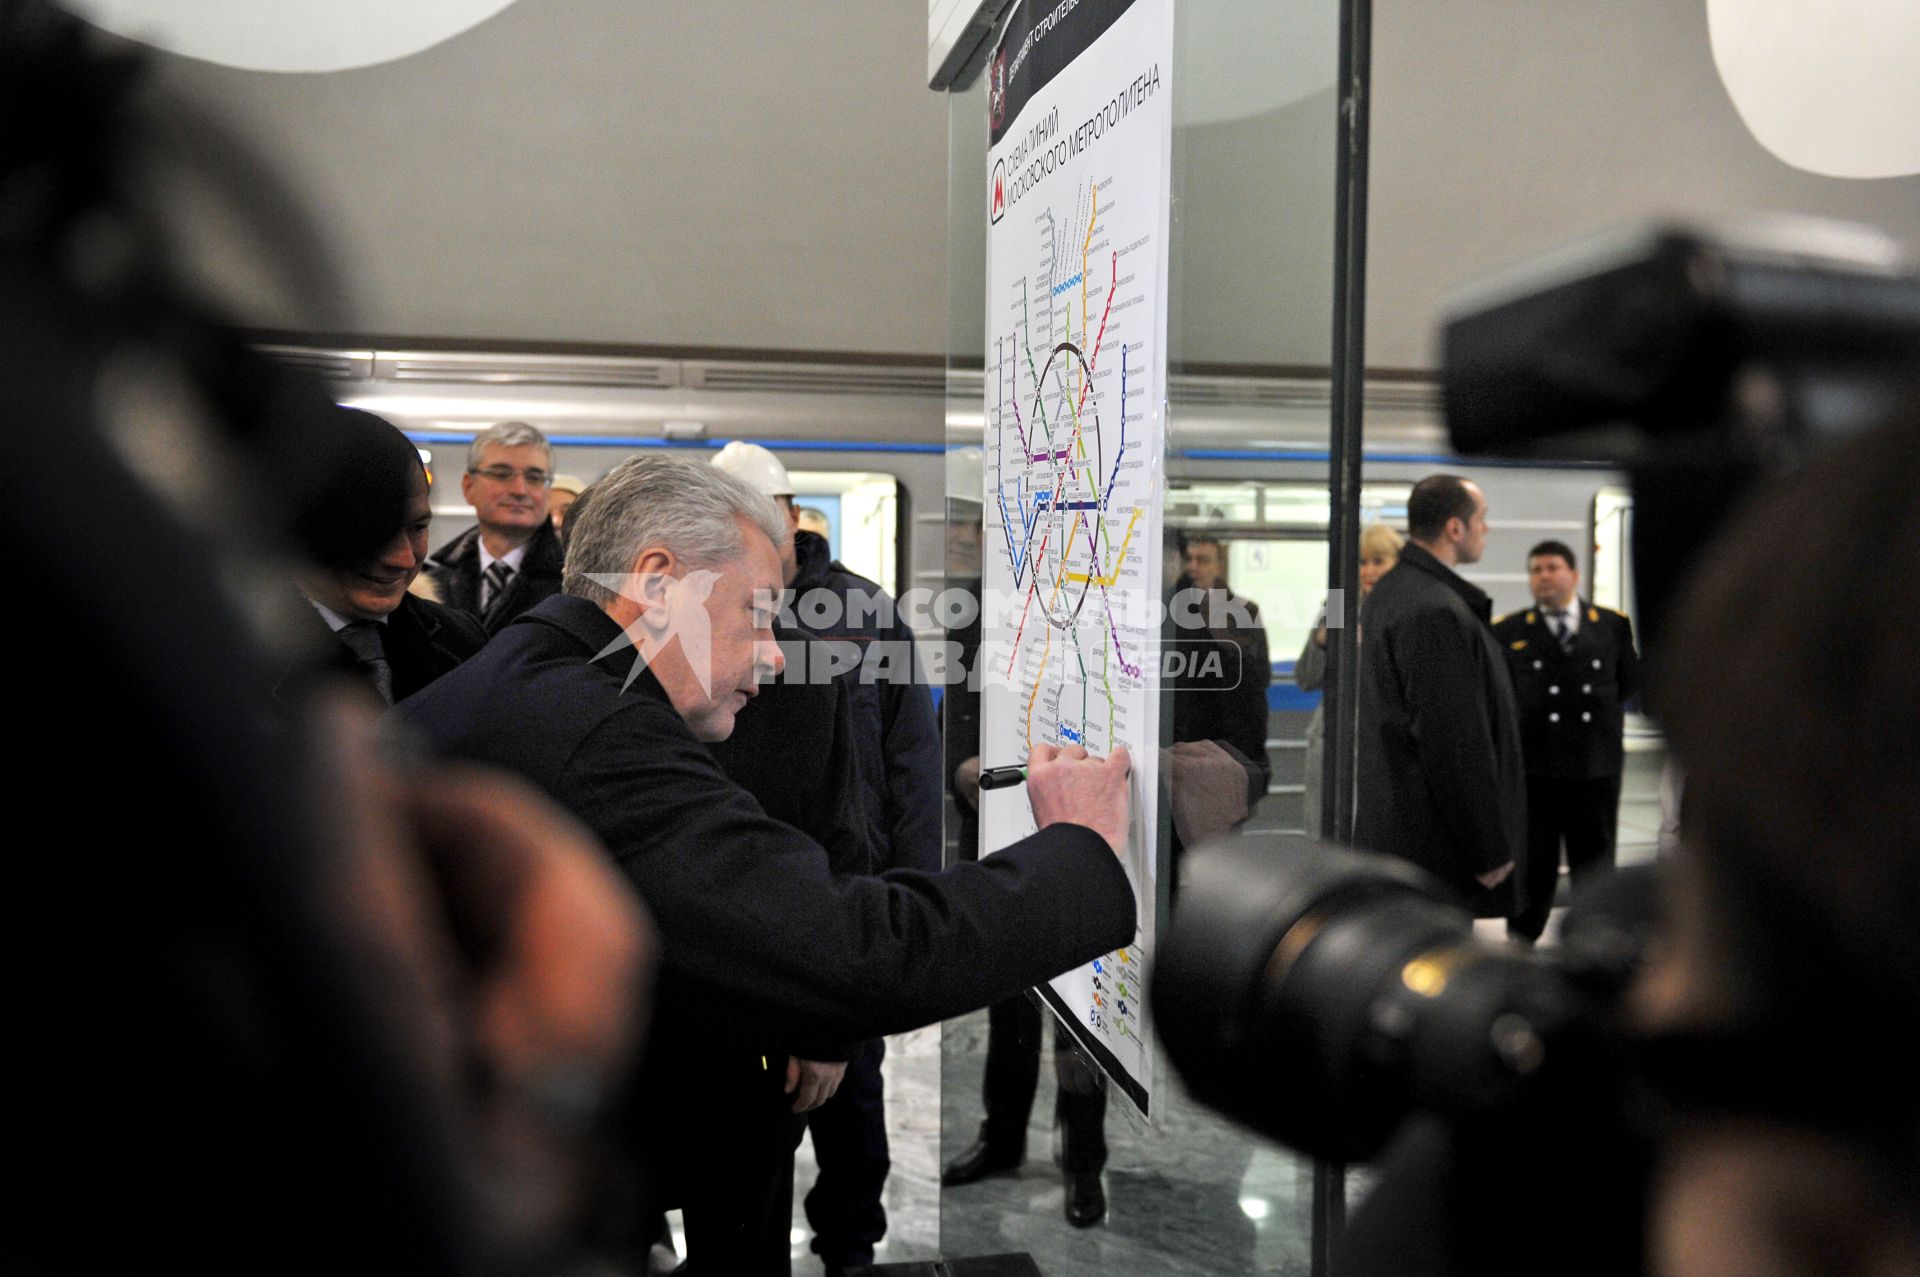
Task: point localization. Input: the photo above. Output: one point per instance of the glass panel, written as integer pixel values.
(1250, 317)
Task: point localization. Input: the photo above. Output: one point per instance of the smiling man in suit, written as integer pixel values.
(511, 559)
(366, 535)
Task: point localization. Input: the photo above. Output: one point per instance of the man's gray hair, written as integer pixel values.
(689, 508)
(508, 434)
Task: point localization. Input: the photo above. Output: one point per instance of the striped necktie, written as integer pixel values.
(494, 582)
(1562, 632)
(364, 640)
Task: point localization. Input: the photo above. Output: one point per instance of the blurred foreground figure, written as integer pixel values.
(279, 1003)
(1789, 995)
(1765, 1115)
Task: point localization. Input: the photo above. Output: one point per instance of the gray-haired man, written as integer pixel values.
(677, 562)
(511, 560)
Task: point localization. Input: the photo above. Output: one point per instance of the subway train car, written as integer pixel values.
(868, 444)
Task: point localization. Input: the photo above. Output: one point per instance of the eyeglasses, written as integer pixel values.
(507, 474)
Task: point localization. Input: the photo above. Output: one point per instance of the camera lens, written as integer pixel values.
(1320, 994)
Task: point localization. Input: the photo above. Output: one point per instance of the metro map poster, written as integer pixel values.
(1077, 205)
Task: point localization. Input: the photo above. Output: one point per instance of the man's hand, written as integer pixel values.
(1494, 877)
(1069, 786)
(812, 1082)
(512, 962)
(966, 779)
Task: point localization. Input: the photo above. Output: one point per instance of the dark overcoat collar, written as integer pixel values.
(587, 624)
(1477, 600)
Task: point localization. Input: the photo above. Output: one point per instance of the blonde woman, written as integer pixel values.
(1379, 552)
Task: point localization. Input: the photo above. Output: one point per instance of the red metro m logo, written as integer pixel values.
(998, 205)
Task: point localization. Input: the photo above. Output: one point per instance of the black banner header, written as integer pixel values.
(1041, 40)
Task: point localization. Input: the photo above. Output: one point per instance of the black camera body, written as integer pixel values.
(1336, 999)
(1354, 990)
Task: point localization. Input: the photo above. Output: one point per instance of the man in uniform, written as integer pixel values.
(511, 560)
(1573, 666)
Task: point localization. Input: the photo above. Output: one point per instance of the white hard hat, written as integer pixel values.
(756, 467)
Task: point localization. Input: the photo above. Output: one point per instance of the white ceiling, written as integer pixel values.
(736, 173)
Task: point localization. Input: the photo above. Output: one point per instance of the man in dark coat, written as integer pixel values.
(1573, 665)
(894, 726)
(374, 491)
(899, 783)
(1236, 712)
(1441, 781)
(792, 749)
(758, 934)
(898, 746)
(511, 559)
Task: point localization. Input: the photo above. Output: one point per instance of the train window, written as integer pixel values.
(1276, 534)
(1214, 503)
(1287, 577)
(862, 514)
(1613, 549)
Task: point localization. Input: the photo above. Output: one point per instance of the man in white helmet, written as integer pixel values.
(760, 470)
(897, 743)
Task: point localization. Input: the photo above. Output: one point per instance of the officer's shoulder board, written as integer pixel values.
(1500, 622)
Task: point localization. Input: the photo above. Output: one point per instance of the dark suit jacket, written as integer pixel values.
(423, 640)
(960, 723)
(748, 908)
(792, 748)
(1441, 782)
(1221, 675)
(1571, 719)
(895, 735)
(455, 569)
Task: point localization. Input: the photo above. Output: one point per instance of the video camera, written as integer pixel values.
(1336, 999)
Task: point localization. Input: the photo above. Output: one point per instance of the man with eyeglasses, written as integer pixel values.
(512, 559)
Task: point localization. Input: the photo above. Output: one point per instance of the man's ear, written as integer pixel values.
(654, 570)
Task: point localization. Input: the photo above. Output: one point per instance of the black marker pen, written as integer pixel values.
(1002, 777)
